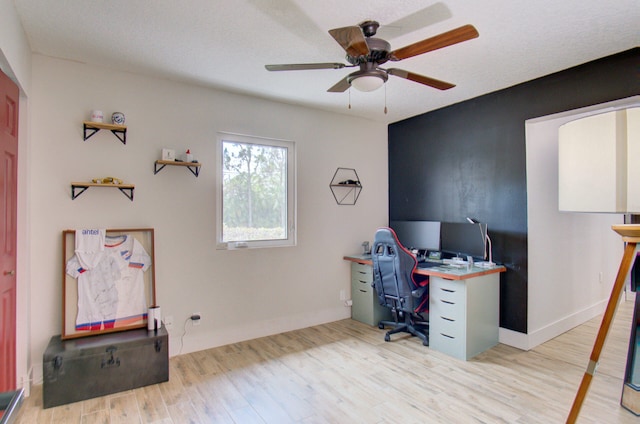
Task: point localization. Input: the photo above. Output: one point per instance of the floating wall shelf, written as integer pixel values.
(194, 167)
(345, 186)
(90, 128)
(126, 189)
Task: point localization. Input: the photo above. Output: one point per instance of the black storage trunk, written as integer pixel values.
(89, 367)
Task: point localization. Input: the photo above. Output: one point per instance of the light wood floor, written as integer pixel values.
(343, 372)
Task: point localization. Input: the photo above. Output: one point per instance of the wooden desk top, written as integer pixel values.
(444, 271)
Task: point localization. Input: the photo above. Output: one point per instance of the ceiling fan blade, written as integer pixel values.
(351, 39)
(341, 86)
(445, 39)
(431, 82)
(304, 66)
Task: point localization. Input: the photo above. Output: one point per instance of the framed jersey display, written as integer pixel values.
(108, 280)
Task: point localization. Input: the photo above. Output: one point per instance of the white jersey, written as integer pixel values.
(97, 294)
(132, 302)
(90, 246)
(112, 294)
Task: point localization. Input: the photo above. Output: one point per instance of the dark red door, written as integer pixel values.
(9, 96)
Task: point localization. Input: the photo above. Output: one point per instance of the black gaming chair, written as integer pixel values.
(397, 289)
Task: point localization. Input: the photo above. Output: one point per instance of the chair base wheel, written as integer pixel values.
(387, 338)
(381, 326)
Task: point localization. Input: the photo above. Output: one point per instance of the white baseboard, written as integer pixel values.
(179, 344)
(26, 382)
(534, 338)
(513, 338)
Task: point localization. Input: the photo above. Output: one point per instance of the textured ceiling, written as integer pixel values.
(226, 43)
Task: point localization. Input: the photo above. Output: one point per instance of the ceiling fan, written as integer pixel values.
(368, 53)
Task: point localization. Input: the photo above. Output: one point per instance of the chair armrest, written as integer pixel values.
(419, 292)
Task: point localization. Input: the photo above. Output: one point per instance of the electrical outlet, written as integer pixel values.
(600, 277)
(343, 295)
(196, 318)
(168, 322)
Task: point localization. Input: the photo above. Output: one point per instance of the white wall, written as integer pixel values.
(241, 294)
(573, 258)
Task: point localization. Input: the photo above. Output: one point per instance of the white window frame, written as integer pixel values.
(291, 192)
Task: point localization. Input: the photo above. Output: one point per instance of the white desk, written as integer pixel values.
(464, 307)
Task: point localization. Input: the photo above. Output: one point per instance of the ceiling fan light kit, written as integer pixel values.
(367, 80)
(368, 52)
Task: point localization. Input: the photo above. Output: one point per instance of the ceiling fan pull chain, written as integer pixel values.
(385, 99)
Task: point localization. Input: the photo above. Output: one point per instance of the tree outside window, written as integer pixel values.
(256, 194)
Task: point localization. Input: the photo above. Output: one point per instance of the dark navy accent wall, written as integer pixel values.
(468, 159)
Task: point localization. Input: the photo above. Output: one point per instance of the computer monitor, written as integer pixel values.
(464, 239)
(421, 235)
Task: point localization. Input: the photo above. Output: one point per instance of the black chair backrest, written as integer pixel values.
(393, 267)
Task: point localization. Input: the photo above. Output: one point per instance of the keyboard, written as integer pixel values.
(428, 264)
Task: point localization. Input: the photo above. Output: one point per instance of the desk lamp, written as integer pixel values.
(596, 173)
(487, 240)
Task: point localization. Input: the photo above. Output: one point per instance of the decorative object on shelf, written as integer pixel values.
(187, 157)
(168, 154)
(117, 118)
(126, 189)
(193, 166)
(345, 186)
(107, 180)
(90, 128)
(97, 116)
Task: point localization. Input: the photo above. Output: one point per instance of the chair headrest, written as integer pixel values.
(388, 237)
(387, 246)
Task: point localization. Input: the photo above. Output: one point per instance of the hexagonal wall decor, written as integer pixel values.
(345, 186)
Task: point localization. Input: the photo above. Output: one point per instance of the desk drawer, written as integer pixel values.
(452, 291)
(365, 307)
(362, 272)
(447, 314)
(450, 345)
(464, 315)
(448, 327)
(360, 286)
(447, 299)
(447, 309)
(360, 289)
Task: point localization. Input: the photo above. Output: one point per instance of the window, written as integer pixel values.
(256, 192)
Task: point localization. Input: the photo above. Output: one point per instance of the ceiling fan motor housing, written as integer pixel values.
(378, 52)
